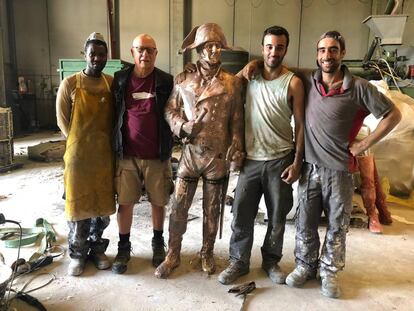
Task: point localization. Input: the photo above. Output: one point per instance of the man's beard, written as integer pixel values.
(331, 68)
(276, 63)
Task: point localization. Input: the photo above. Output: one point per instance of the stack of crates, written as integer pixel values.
(6, 137)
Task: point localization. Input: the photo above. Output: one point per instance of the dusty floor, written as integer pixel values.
(379, 274)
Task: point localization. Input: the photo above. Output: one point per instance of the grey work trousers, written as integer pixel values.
(86, 236)
(322, 189)
(259, 178)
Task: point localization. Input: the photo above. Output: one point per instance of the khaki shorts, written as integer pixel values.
(133, 174)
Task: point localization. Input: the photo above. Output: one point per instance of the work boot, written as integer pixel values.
(274, 273)
(100, 260)
(208, 263)
(368, 192)
(119, 265)
(158, 251)
(76, 266)
(329, 285)
(232, 273)
(172, 261)
(383, 214)
(299, 276)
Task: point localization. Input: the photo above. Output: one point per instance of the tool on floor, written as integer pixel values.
(10, 237)
(23, 293)
(23, 266)
(13, 237)
(42, 257)
(5, 276)
(243, 290)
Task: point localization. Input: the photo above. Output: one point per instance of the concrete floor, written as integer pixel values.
(379, 273)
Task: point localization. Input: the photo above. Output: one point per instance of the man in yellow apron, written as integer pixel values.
(85, 116)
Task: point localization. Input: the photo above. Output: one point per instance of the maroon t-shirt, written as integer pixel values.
(140, 127)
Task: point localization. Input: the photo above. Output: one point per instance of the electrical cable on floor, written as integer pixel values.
(22, 290)
(7, 300)
(22, 294)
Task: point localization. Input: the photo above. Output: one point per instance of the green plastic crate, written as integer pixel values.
(68, 67)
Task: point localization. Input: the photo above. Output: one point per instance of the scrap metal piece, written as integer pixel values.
(243, 289)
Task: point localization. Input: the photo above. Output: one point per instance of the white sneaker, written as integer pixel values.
(76, 266)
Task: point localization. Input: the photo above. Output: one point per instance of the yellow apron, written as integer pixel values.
(89, 162)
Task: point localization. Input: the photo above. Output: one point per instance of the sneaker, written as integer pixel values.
(76, 266)
(329, 285)
(232, 273)
(100, 261)
(299, 276)
(119, 265)
(274, 273)
(158, 251)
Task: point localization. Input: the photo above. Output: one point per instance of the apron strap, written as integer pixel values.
(78, 80)
(106, 82)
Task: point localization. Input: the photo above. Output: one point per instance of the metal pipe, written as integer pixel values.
(188, 7)
(371, 50)
(300, 33)
(390, 6)
(113, 27)
(234, 21)
(117, 34)
(110, 12)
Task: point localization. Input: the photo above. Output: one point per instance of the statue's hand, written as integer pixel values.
(192, 128)
(190, 68)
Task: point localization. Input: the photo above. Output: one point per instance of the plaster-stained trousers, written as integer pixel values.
(86, 235)
(321, 189)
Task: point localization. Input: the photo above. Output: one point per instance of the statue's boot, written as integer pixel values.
(183, 196)
(212, 196)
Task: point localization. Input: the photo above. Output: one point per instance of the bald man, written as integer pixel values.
(142, 143)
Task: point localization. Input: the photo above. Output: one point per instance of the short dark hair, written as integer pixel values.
(334, 35)
(276, 31)
(97, 42)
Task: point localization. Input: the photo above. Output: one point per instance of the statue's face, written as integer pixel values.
(211, 52)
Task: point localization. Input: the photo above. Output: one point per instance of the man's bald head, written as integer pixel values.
(144, 51)
(144, 40)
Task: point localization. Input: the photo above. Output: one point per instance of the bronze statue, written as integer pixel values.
(205, 109)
